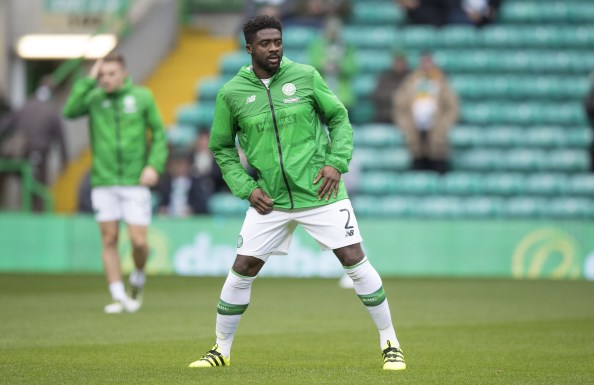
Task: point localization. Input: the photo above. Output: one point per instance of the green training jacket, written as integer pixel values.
(118, 124)
(280, 132)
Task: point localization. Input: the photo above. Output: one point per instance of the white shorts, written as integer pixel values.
(332, 226)
(132, 204)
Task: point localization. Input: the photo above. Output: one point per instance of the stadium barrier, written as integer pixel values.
(205, 246)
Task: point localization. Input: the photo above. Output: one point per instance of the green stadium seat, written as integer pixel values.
(226, 204)
(569, 208)
(377, 135)
(208, 87)
(199, 115)
(523, 207)
(581, 12)
(415, 183)
(418, 37)
(476, 159)
(370, 37)
(374, 183)
(298, 37)
(551, 184)
(482, 207)
(363, 113)
(395, 207)
(458, 36)
(578, 137)
(372, 61)
(567, 160)
(523, 159)
(438, 207)
(461, 183)
(232, 62)
(542, 137)
(580, 184)
(500, 136)
(465, 136)
(503, 183)
(377, 159)
(377, 13)
(364, 85)
(181, 135)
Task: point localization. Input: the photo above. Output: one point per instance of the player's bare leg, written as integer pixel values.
(113, 272)
(235, 298)
(140, 250)
(369, 288)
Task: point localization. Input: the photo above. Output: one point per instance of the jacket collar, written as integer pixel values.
(125, 88)
(247, 71)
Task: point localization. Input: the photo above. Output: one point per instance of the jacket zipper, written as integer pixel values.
(118, 139)
(278, 143)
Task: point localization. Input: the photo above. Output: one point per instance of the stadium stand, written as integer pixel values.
(520, 149)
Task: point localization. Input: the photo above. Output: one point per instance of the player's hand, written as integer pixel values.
(260, 201)
(149, 176)
(330, 184)
(94, 73)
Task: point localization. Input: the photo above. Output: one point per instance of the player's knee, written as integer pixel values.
(350, 255)
(247, 266)
(139, 243)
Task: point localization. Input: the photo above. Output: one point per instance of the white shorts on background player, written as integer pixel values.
(332, 226)
(132, 204)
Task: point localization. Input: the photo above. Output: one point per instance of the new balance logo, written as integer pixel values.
(349, 233)
(250, 99)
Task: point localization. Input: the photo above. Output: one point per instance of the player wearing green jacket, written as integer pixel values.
(124, 166)
(273, 107)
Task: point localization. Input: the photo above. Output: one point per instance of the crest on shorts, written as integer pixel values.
(289, 89)
(239, 241)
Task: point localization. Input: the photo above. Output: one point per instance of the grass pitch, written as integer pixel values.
(298, 331)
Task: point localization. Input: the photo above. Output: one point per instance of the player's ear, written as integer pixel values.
(248, 48)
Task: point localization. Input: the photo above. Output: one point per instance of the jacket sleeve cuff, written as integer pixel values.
(338, 164)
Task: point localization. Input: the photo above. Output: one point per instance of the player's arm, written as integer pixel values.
(78, 101)
(222, 144)
(158, 151)
(341, 135)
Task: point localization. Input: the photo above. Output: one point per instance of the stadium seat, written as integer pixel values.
(364, 85)
(372, 61)
(377, 159)
(377, 13)
(461, 183)
(181, 135)
(523, 159)
(567, 160)
(198, 115)
(298, 37)
(551, 184)
(569, 208)
(418, 37)
(377, 135)
(503, 183)
(226, 204)
(482, 207)
(458, 36)
(415, 183)
(208, 88)
(476, 159)
(523, 207)
(580, 184)
(438, 207)
(370, 37)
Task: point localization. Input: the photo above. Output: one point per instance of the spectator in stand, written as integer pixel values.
(176, 187)
(589, 108)
(206, 172)
(425, 109)
(314, 13)
(32, 130)
(426, 12)
(386, 87)
(335, 61)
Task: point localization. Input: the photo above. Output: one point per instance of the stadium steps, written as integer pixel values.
(196, 56)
